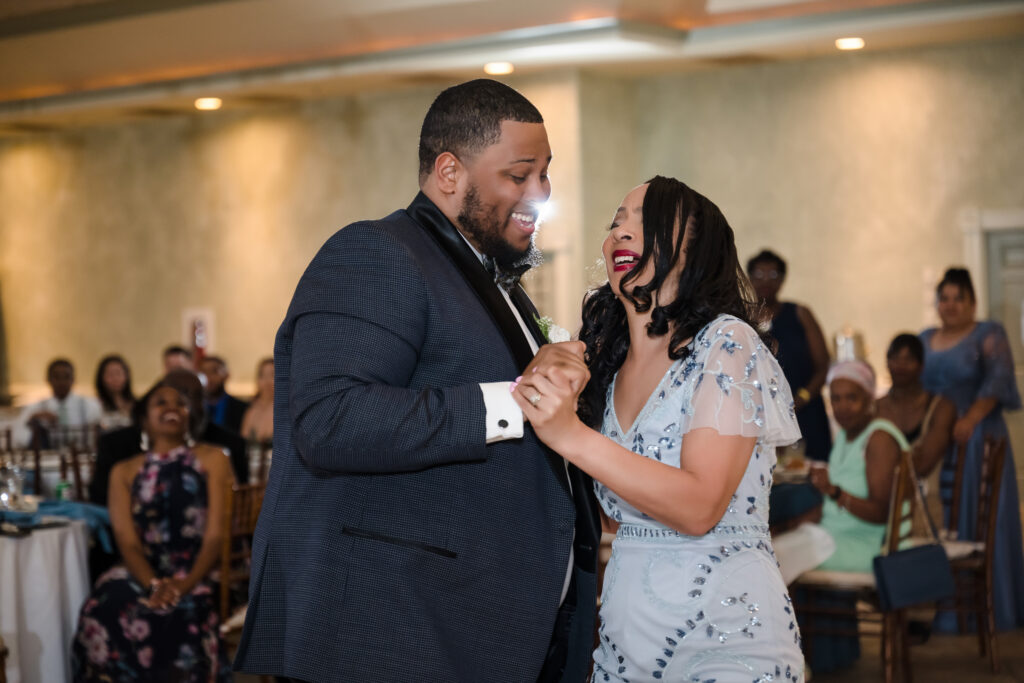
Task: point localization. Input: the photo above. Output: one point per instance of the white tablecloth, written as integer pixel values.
(44, 581)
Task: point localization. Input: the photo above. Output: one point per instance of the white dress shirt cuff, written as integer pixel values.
(504, 418)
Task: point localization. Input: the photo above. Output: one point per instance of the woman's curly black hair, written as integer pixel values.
(711, 284)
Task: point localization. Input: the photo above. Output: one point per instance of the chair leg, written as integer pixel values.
(904, 646)
(888, 656)
(989, 618)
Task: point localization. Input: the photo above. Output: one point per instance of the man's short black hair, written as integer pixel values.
(175, 349)
(466, 118)
(56, 363)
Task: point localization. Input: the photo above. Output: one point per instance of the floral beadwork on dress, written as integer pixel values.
(712, 607)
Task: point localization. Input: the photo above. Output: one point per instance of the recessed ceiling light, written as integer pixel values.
(498, 68)
(850, 43)
(208, 103)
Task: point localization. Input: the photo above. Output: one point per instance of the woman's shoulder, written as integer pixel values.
(128, 467)
(886, 426)
(212, 459)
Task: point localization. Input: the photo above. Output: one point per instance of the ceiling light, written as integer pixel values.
(498, 68)
(850, 43)
(208, 103)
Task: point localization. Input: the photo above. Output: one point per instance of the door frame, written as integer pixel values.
(975, 223)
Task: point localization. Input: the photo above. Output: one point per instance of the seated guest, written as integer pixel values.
(57, 419)
(114, 390)
(122, 444)
(177, 358)
(800, 348)
(222, 408)
(856, 485)
(258, 423)
(155, 617)
(926, 419)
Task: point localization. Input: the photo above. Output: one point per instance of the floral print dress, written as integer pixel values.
(712, 607)
(121, 639)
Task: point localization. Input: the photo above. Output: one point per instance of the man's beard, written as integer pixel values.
(483, 226)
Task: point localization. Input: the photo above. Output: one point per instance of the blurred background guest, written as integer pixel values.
(925, 418)
(114, 391)
(154, 617)
(801, 351)
(55, 420)
(177, 357)
(970, 362)
(258, 423)
(222, 408)
(856, 486)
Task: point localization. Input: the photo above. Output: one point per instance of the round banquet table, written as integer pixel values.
(44, 580)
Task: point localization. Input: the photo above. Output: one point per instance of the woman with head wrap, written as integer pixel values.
(858, 480)
(856, 487)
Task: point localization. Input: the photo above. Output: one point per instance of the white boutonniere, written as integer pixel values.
(552, 332)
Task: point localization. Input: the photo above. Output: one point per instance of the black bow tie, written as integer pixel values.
(506, 278)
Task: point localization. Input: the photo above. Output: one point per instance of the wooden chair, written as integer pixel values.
(817, 586)
(3, 661)
(243, 502)
(972, 560)
(265, 450)
(72, 458)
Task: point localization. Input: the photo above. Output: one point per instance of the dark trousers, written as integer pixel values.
(558, 648)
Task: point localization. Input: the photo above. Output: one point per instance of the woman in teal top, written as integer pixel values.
(858, 480)
(856, 486)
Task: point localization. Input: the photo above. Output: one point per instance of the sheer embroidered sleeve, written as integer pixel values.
(741, 390)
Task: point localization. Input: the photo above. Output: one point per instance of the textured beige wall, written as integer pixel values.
(108, 233)
(854, 167)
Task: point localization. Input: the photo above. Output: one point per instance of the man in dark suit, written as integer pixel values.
(223, 409)
(413, 529)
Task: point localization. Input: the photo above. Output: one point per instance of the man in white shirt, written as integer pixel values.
(60, 418)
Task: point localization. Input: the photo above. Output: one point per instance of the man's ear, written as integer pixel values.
(447, 170)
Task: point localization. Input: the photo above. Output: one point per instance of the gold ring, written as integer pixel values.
(535, 399)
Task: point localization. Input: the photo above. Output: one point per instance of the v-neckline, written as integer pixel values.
(647, 407)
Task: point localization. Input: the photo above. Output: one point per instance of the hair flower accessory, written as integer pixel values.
(552, 332)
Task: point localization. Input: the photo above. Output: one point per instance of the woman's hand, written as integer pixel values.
(963, 428)
(548, 400)
(166, 592)
(820, 480)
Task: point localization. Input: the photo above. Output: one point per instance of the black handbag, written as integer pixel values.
(916, 575)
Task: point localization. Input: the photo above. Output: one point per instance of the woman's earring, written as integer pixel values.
(189, 441)
(144, 442)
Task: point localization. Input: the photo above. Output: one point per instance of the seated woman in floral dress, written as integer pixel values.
(154, 617)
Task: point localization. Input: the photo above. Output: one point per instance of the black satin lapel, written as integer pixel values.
(426, 213)
(529, 312)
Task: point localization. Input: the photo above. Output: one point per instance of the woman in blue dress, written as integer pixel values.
(970, 362)
(678, 426)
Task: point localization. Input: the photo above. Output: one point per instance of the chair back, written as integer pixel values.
(242, 504)
(74, 458)
(992, 466)
(902, 503)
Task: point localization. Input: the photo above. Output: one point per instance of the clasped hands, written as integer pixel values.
(550, 386)
(165, 592)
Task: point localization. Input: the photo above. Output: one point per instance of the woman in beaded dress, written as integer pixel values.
(678, 427)
(154, 617)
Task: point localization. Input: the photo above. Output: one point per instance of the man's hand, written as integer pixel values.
(562, 361)
(44, 417)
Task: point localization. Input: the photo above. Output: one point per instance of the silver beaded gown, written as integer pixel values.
(712, 607)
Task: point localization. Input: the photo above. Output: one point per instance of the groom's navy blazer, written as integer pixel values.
(394, 544)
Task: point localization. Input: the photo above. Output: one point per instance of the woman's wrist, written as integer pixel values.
(836, 493)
